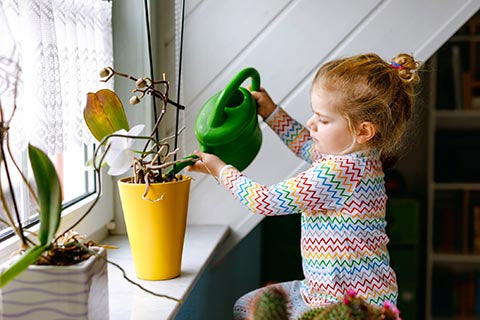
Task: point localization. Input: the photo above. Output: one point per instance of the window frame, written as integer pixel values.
(30, 221)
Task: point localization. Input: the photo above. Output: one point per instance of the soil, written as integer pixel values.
(67, 255)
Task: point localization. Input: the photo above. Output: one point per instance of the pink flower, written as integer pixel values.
(395, 310)
(391, 306)
(352, 293)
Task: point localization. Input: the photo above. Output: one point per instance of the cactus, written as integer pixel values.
(270, 304)
(352, 308)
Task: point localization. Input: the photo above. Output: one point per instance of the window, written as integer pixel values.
(50, 55)
(77, 183)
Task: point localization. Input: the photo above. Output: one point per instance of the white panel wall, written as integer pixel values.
(287, 41)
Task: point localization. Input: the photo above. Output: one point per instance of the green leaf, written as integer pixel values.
(49, 194)
(29, 257)
(104, 113)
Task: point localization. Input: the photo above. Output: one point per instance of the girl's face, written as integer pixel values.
(328, 128)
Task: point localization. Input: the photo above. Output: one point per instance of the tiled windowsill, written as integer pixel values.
(129, 302)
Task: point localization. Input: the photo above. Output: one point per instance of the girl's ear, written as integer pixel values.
(365, 132)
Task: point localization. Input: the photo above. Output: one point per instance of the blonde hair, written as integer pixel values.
(367, 88)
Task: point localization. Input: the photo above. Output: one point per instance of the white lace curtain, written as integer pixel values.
(60, 47)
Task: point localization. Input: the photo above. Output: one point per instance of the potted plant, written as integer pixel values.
(155, 198)
(55, 275)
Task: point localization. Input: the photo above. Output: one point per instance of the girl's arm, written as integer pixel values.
(325, 186)
(292, 133)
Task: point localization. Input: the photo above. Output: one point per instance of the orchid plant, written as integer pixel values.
(49, 248)
(105, 117)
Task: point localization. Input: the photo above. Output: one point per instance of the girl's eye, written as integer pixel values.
(320, 119)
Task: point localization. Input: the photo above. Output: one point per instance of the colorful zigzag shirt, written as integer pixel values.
(342, 200)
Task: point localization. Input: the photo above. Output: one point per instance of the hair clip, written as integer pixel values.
(396, 65)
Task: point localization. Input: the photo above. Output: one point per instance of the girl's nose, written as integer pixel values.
(310, 123)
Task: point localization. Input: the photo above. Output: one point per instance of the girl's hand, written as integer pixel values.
(265, 104)
(208, 163)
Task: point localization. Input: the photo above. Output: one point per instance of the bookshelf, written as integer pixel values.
(453, 195)
(457, 119)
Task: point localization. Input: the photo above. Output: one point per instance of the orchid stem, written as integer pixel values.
(10, 187)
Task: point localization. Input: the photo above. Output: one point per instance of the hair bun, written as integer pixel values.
(406, 66)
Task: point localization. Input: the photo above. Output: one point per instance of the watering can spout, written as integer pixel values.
(227, 124)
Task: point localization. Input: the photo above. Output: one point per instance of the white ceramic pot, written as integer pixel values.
(58, 292)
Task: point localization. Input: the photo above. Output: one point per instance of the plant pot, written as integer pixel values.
(58, 292)
(156, 230)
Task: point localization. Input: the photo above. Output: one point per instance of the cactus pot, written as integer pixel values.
(156, 227)
(78, 291)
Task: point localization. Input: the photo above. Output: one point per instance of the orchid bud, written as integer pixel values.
(104, 73)
(141, 83)
(134, 100)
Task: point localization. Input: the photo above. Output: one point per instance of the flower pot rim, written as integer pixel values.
(79, 265)
(124, 181)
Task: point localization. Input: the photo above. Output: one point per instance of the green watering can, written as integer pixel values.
(227, 124)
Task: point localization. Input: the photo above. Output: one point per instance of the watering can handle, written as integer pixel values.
(225, 95)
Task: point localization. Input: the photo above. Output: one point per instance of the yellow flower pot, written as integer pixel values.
(156, 230)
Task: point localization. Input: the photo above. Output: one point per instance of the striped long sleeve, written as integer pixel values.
(325, 186)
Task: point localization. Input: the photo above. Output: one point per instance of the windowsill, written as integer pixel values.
(129, 302)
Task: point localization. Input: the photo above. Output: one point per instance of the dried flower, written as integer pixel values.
(106, 119)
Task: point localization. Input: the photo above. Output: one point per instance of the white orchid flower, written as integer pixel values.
(120, 155)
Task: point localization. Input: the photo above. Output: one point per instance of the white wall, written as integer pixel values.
(287, 41)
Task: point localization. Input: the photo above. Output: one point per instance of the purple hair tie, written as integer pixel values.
(396, 65)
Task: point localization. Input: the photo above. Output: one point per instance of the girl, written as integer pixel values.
(361, 106)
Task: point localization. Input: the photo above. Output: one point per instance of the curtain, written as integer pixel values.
(62, 46)
(9, 66)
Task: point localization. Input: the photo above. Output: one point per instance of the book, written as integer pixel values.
(476, 229)
(457, 77)
(467, 91)
(447, 242)
(465, 232)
